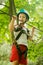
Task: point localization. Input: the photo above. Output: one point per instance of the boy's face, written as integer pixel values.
(22, 18)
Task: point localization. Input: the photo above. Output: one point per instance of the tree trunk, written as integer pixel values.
(12, 8)
(12, 11)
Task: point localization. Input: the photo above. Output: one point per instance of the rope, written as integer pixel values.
(34, 27)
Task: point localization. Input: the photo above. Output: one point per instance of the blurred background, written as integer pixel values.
(35, 10)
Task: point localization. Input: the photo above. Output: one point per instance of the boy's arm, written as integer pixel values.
(11, 28)
(32, 33)
(11, 25)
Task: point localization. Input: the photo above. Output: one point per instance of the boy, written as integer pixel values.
(19, 55)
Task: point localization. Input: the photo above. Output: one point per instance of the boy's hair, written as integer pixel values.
(25, 12)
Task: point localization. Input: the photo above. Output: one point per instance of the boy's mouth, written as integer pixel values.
(21, 20)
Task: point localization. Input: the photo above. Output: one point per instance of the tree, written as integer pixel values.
(35, 9)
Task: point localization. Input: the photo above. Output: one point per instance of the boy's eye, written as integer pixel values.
(23, 17)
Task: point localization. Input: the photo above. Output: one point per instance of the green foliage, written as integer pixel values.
(35, 9)
(35, 50)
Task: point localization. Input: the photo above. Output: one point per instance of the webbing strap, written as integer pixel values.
(18, 36)
(20, 33)
(17, 46)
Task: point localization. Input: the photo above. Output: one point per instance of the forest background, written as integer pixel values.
(35, 10)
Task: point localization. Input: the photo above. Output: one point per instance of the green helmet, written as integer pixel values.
(25, 12)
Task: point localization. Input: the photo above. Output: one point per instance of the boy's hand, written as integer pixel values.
(14, 17)
(33, 28)
(11, 25)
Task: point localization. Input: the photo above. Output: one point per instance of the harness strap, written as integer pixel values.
(20, 33)
(25, 52)
(18, 36)
(17, 46)
(19, 51)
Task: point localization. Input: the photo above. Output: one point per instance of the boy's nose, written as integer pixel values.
(21, 18)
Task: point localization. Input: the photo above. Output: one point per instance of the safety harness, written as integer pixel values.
(18, 36)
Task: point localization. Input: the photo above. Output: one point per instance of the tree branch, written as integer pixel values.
(34, 27)
(2, 12)
(4, 5)
(12, 8)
